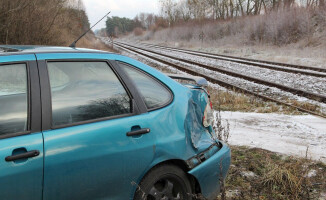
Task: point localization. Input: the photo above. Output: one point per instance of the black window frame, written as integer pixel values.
(154, 79)
(33, 99)
(136, 104)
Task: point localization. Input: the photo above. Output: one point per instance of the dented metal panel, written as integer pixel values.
(201, 136)
(211, 173)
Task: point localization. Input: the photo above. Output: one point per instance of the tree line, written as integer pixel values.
(55, 22)
(120, 25)
(174, 12)
(185, 10)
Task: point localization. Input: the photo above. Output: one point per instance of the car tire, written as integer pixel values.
(165, 182)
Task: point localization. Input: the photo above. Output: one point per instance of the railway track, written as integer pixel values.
(214, 80)
(313, 71)
(299, 92)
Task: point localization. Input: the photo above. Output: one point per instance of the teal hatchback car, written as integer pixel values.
(85, 124)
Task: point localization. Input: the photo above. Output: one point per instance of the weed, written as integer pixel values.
(233, 101)
(276, 176)
(222, 132)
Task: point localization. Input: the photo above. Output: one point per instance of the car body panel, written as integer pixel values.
(21, 179)
(212, 172)
(98, 160)
(16, 58)
(25, 49)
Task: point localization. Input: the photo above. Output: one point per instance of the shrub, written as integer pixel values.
(61, 22)
(138, 31)
(277, 28)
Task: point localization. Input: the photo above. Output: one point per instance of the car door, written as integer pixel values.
(99, 139)
(21, 141)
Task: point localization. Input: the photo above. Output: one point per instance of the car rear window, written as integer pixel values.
(84, 91)
(154, 93)
(13, 99)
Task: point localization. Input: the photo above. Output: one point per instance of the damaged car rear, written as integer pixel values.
(86, 124)
(192, 163)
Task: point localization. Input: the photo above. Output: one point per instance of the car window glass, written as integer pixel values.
(153, 92)
(59, 79)
(85, 91)
(13, 99)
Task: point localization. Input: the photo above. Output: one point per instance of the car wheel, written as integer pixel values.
(166, 182)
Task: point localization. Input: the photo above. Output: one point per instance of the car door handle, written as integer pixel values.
(28, 154)
(139, 132)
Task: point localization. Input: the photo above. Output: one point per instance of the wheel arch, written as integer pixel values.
(182, 165)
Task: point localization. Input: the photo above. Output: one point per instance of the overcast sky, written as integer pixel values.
(96, 9)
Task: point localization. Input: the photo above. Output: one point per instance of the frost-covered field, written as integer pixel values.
(286, 134)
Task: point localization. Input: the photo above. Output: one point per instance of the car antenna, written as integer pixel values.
(73, 45)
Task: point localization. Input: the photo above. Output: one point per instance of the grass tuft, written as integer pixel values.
(275, 176)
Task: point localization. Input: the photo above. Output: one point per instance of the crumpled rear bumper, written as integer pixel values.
(212, 171)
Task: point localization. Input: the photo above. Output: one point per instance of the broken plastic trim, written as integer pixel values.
(198, 159)
(200, 81)
(208, 116)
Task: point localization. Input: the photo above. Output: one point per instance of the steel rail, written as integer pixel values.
(295, 91)
(219, 82)
(249, 61)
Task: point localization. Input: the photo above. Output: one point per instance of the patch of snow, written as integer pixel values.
(311, 173)
(287, 134)
(232, 193)
(322, 196)
(248, 174)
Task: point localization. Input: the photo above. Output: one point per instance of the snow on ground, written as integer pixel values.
(286, 134)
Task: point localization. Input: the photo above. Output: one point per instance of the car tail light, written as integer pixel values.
(208, 115)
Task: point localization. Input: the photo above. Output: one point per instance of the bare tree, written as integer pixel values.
(170, 11)
(174, 10)
(150, 20)
(41, 21)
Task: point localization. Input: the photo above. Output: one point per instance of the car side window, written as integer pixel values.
(154, 93)
(13, 99)
(84, 91)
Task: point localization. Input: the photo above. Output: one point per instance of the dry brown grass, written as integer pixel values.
(232, 101)
(305, 105)
(285, 177)
(261, 174)
(91, 42)
(138, 31)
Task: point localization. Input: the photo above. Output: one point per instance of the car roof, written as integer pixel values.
(23, 49)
